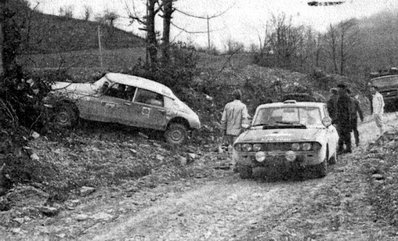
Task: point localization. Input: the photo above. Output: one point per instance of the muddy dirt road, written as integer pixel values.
(233, 209)
(226, 207)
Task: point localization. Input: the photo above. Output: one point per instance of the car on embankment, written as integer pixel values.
(286, 137)
(123, 99)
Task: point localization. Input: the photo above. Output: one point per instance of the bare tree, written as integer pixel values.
(148, 22)
(110, 17)
(66, 11)
(348, 41)
(88, 11)
(232, 46)
(167, 16)
(331, 43)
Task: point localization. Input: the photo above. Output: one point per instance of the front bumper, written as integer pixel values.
(279, 159)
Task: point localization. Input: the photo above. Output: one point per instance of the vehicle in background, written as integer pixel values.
(124, 99)
(286, 137)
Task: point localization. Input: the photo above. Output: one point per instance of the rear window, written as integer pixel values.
(386, 81)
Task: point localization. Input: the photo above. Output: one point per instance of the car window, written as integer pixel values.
(302, 115)
(149, 97)
(116, 90)
(386, 81)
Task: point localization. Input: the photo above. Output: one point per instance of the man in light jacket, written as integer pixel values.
(378, 108)
(234, 118)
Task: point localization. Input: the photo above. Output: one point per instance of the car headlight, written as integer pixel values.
(257, 147)
(306, 146)
(316, 146)
(247, 147)
(295, 146)
(260, 156)
(290, 156)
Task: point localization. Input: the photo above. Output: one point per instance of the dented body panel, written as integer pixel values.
(149, 105)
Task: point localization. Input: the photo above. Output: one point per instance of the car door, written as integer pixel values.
(99, 106)
(148, 109)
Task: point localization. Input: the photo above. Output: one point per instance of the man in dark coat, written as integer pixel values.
(331, 104)
(355, 110)
(343, 119)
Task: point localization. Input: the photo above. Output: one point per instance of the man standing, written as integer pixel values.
(355, 110)
(378, 108)
(331, 104)
(343, 119)
(233, 117)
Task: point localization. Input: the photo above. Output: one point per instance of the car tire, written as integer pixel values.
(176, 134)
(65, 116)
(245, 171)
(321, 169)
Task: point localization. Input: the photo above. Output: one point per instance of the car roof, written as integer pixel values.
(293, 104)
(140, 83)
(385, 76)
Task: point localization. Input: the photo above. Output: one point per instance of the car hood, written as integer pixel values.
(280, 135)
(84, 88)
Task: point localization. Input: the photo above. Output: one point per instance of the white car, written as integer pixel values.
(124, 99)
(287, 135)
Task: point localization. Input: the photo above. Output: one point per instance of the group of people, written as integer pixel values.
(343, 107)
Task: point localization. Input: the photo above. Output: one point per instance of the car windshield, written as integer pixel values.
(386, 81)
(280, 116)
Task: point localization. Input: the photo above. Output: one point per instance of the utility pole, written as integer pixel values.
(208, 32)
(100, 46)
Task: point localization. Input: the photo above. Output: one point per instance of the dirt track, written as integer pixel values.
(226, 208)
(235, 209)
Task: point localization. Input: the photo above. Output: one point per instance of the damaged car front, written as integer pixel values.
(287, 137)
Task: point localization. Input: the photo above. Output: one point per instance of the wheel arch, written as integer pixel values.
(68, 102)
(179, 120)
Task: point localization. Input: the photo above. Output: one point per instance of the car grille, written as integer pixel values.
(276, 147)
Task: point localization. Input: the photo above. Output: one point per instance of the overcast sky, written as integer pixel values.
(244, 20)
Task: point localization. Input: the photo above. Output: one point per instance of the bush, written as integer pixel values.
(176, 73)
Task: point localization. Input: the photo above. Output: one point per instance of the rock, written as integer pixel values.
(183, 160)
(191, 157)
(19, 220)
(4, 204)
(81, 217)
(159, 157)
(85, 191)
(133, 151)
(102, 216)
(377, 176)
(35, 135)
(34, 157)
(24, 196)
(49, 211)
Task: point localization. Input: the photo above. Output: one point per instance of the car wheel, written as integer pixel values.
(176, 134)
(65, 116)
(245, 171)
(321, 169)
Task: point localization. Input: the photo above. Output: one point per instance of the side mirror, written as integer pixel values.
(327, 121)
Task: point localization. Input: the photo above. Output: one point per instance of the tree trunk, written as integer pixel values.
(167, 15)
(342, 55)
(11, 40)
(151, 34)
